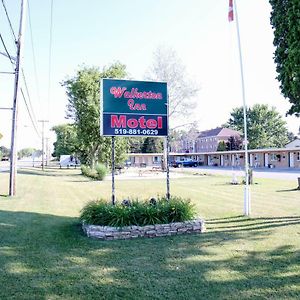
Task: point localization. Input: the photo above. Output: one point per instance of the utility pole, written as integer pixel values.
(43, 141)
(47, 152)
(19, 58)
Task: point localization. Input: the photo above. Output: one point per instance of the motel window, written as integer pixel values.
(273, 157)
(298, 155)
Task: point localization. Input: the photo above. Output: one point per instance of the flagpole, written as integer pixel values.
(247, 197)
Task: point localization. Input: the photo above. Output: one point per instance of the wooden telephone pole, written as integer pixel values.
(19, 58)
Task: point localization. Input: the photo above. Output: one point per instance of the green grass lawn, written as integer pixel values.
(44, 255)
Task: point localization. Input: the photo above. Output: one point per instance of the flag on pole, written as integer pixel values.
(230, 11)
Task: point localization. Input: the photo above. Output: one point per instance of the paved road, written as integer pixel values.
(4, 165)
(287, 174)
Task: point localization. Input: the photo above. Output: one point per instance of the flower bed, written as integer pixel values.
(149, 231)
(138, 212)
(134, 218)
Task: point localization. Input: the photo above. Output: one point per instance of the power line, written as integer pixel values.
(31, 115)
(28, 110)
(29, 106)
(33, 54)
(10, 25)
(28, 95)
(5, 48)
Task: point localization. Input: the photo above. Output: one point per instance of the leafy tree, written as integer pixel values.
(175, 138)
(222, 146)
(152, 145)
(66, 140)
(168, 68)
(5, 151)
(285, 20)
(83, 107)
(38, 153)
(234, 143)
(291, 136)
(265, 126)
(104, 152)
(184, 140)
(26, 152)
(135, 144)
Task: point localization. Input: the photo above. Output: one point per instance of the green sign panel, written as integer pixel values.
(133, 108)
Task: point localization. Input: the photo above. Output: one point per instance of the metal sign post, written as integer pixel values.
(168, 169)
(167, 152)
(113, 197)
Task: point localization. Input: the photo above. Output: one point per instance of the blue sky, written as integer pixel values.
(98, 33)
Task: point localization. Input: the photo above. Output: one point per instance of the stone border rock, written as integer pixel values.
(149, 231)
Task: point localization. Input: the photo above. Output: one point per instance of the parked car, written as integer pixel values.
(68, 161)
(127, 163)
(185, 163)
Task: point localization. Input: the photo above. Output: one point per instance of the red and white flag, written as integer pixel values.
(230, 11)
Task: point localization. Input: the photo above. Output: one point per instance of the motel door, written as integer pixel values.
(292, 164)
(208, 160)
(251, 160)
(232, 160)
(266, 159)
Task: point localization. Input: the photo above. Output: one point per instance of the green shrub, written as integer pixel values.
(137, 212)
(98, 173)
(101, 171)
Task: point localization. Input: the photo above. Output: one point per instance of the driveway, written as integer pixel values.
(286, 174)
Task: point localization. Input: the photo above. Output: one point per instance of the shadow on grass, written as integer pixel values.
(250, 224)
(48, 256)
(290, 190)
(226, 218)
(46, 172)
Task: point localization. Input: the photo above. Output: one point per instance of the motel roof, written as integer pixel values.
(270, 150)
(219, 131)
